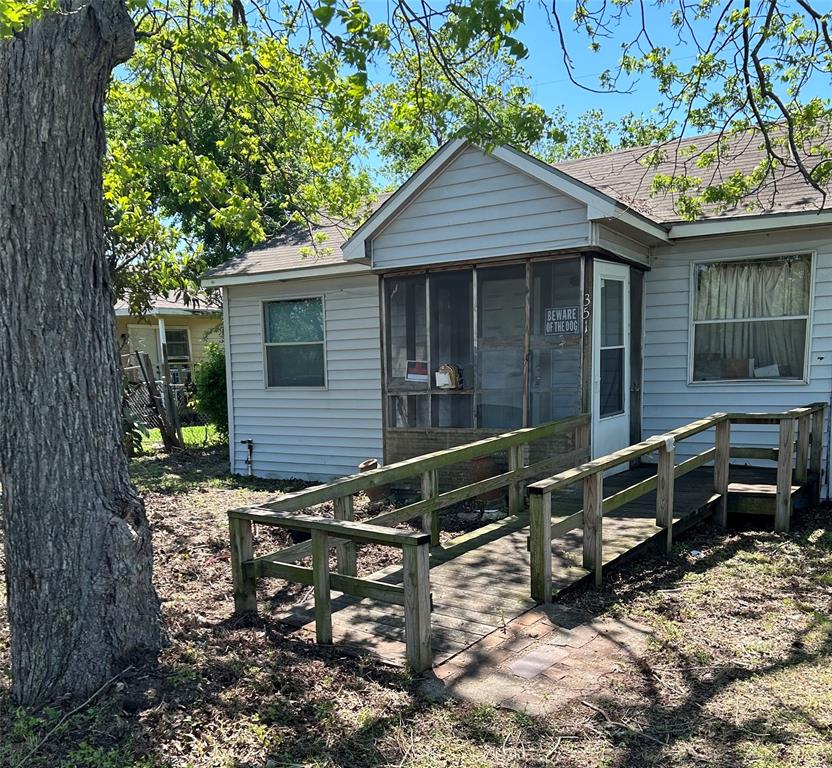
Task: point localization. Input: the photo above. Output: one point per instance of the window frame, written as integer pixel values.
(471, 389)
(179, 360)
(265, 345)
(807, 342)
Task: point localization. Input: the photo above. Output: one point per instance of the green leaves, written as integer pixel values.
(16, 14)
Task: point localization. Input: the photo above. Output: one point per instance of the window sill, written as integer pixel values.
(740, 382)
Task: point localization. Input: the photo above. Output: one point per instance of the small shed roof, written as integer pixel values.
(298, 247)
(162, 305)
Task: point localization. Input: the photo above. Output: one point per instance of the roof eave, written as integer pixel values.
(756, 222)
(280, 275)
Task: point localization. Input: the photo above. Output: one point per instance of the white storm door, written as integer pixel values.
(610, 359)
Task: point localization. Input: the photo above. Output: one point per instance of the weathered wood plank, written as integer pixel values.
(470, 491)
(783, 501)
(363, 532)
(352, 484)
(417, 606)
(516, 456)
(345, 551)
(722, 457)
(430, 518)
(753, 452)
(816, 452)
(593, 556)
(243, 577)
(320, 583)
(664, 491)
(540, 546)
(694, 462)
(570, 476)
(804, 426)
(561, 527)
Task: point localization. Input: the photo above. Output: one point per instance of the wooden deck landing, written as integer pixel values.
(481, 580)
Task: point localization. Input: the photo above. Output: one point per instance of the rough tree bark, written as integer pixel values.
(77, 541)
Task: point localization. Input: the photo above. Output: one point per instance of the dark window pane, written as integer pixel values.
(612, 382)
(612, 313)
(451, 320)
(765, 349)
(407, 337)
(501, 295)
(555, 341)
(177, 343)
(295, 365)
(294, 320)
(408, 411)
(451, 411)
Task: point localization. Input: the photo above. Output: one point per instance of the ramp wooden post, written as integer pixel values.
(516, 460)
(722, 458)
(242, 575)
(430, 520)
(416, 564)
(320, 583)
(345, 552)
(816, 452)
(593, 524)
(783, 502)
(540, 546)
(803, 434)
(664, 489)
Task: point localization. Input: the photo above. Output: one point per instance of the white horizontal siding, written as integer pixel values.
(310, 434)
(479, 208)
(669, 401)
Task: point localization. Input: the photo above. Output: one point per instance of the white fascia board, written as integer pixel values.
(353, 249)
(285, 274)
(124, 312)
(755, 223)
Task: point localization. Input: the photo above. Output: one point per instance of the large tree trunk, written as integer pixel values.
(78, 553)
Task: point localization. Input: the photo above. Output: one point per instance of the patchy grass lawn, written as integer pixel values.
(738, 672)
(200, 437)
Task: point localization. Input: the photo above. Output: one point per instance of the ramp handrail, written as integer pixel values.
(542, 531)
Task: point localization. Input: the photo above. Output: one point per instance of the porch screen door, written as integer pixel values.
(611, 358)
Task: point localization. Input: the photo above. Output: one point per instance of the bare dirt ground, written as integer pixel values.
(737, 672)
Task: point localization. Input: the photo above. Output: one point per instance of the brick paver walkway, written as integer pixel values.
(541, 660)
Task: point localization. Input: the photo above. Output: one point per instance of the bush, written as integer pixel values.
(210, 398)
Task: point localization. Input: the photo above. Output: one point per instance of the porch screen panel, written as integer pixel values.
(555, 340)
(407, 333)
(452, 343)
(406, 346)
(501, 330)
(750, 318)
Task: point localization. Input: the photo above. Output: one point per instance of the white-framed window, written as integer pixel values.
(295, 343)
(179, 345)
(750, 319)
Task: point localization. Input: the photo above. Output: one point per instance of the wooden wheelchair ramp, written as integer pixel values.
(442, 599)
(480, 581)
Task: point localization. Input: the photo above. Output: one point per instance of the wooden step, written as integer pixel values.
(757, 498)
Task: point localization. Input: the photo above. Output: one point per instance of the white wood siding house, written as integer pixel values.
(544, 291)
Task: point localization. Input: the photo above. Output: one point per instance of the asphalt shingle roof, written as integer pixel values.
(294, 248)
(623, 175)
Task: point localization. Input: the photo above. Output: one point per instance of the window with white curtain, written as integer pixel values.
(751, 318)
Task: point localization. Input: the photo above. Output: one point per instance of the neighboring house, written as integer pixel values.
(552, 290)
(186, 329)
